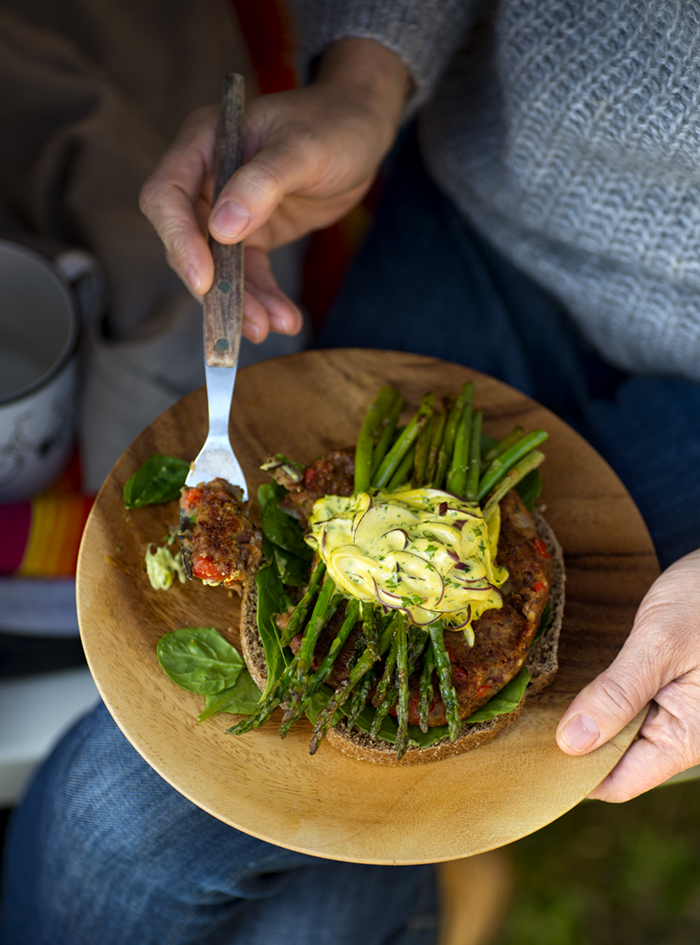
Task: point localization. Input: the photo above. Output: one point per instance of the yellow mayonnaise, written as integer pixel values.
(162, 567)
(422, 551)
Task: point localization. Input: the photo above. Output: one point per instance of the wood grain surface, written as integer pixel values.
(223, 303)
(331, 805)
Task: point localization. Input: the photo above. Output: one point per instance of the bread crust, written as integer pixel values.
(541, 663)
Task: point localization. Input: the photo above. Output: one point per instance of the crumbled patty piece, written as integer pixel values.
(223, 545)
(330, 474)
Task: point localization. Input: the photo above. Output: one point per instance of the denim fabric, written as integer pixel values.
(425, 282)
(104, 852)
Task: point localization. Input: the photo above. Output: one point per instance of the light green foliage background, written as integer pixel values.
(607, 874)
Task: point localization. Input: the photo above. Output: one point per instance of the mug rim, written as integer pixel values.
(71, 345)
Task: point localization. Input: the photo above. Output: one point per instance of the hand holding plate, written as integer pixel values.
(660, 662)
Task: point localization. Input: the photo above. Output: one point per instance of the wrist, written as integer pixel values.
(370, 74)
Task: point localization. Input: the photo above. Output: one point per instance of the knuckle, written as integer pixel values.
(681, 729)
(664, 640)
(623, 699)
(679, 747)
(146, 197)
(172, 261)
(277, 170)
(257, 184)
(309, 140)
(153, 198)
(201, 119)
(176, 243)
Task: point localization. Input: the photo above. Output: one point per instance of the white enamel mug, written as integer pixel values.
(40, 326)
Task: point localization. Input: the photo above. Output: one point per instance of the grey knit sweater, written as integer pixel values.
(568, 132)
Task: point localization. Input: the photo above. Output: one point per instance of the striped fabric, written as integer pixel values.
(41, 538)
(47, 536)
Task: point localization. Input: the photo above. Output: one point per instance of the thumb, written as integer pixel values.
(651, 657)
(660, 661)
(604, 707)
(661, 648)
(252, 195)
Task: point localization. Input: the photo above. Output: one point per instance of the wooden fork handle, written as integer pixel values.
(223, 303)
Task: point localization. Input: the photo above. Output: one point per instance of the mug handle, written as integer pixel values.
(84, 274)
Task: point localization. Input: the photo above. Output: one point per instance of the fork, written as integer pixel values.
(223, 314)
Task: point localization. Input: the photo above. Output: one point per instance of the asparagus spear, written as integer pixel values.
(508, 440)
(474, 465)
(380, 697)
(279, 691)
(326, 717)
(382, 710)
(417, 638)
(352, 615)
(371, 620)
(296, 621)
(326, 605)
(457, 473)
(387, 434)
(529, 462)
(266, 707)
(425, 689)
(444, 670)
(368, 433)
(437, 430)
(420, 455)
(292, 673)
(389, 464)
(314, 683)
(448, 439)
(500, 466)
(360, 696)
(402, 470)
(344, 691)
(402, 684)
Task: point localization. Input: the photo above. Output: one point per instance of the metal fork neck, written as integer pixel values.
(220, 382)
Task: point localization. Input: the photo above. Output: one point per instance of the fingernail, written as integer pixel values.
(230, 219)
(581, 733)
(280, 325)
(193, 279)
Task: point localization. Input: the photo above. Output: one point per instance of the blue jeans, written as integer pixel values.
(103, 851)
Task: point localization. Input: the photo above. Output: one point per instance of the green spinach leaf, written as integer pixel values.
(279, 527)
(293, 568)
(158, 480)
(240, 699)
(294, 571)
(199, 659)
(270, 493)
(504, 701)
(545, 621)
(272, 599)
(529, 488)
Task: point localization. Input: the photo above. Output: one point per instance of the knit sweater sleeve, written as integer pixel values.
(423, 33)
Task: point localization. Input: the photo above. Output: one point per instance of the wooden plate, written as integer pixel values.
(331, 805)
